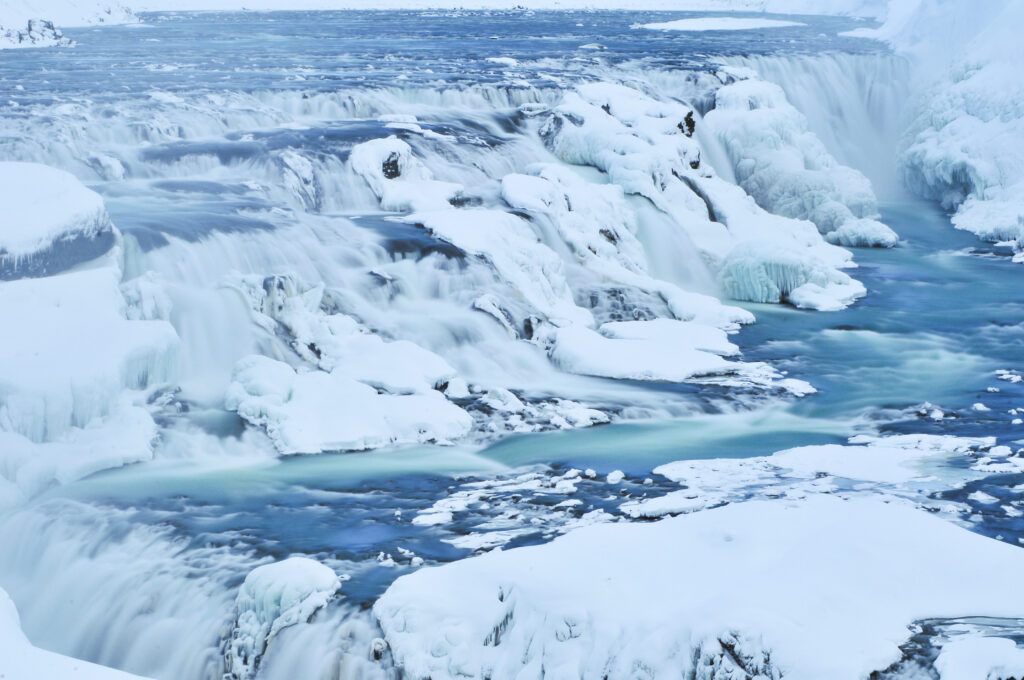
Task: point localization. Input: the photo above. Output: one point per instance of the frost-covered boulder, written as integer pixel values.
(400, 180)
(312, 411)
(272, 598)
(36, 33)
(819, 588)
(787, 169)
(19, 660)
(50, 221)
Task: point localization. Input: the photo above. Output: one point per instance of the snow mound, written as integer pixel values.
(803, 590)
(272, 598)
(719, 24)
(50, 220)
(787, 169)
(973, 658)
(19, 660)
(315, 411)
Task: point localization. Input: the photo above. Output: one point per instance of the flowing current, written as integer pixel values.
(223, 144)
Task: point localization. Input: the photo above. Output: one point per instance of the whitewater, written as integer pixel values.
(510, 343)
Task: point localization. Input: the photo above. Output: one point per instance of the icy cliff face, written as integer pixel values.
(965, 146)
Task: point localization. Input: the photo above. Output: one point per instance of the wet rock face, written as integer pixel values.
(390, 166)
(688, 126)
(60, 256)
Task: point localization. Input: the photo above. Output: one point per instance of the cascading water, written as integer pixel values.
(231, 152)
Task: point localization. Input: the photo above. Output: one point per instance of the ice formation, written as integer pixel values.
(787, 169)
(272, 598)
(965, 147)
(774, 580)
(719, 24)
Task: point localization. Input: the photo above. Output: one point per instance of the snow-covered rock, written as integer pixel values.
(312, 411)
(648, 147)
(272, 598)
(787, 169)
(820, 588)
(19, 660)
(36, 23)
(401, 181)
(50, 221)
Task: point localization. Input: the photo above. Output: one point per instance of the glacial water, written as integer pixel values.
(185, 125)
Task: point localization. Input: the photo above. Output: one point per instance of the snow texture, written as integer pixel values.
(312, 411)
(799, 589)
(977, 658)
(37, 23)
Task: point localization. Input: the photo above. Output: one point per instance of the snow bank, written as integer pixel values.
(648, 148)
(972, 658)
(19, 660)
(719, 24)
(49, 218)
(315, 411)
(272, 598)
(34, 23)
(787, 169)
(965, 149)
(820, 588)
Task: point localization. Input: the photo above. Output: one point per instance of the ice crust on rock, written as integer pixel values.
(787, 169)
(311, 411)
(20, 660)
(799, 589)
(648, 147)
(47, 214)
(273, 597)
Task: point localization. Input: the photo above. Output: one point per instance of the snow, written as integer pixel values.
(787, 169)
(35, 23)
(972, 658)
(312, 411)
(19, 660)
(719, 24)
(274, 597)
(806, 589)
(74, 351)
(965, 147)
(648, 148)
(43, 205)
